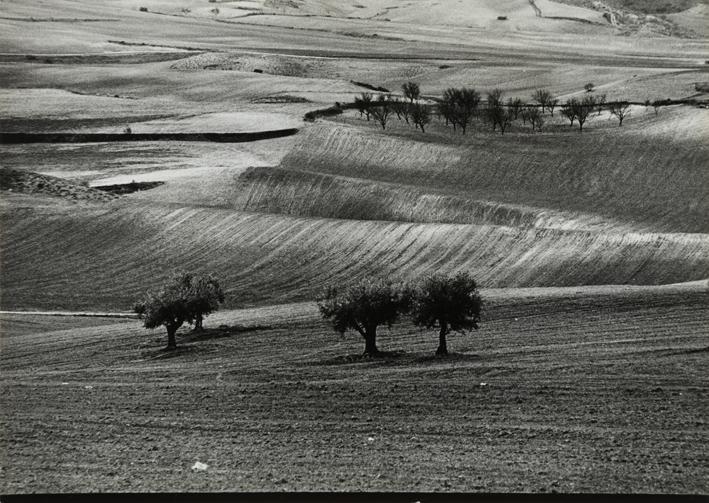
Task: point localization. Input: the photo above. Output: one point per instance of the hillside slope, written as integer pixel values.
(625, 178)
(104, 257)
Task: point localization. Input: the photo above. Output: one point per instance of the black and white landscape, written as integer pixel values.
(378, 245)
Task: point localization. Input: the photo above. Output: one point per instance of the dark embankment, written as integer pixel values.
(15, 138)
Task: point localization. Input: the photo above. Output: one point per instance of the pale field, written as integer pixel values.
(591, 249)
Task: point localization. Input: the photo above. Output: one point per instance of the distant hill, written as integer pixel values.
(642, 6)
(684, 18)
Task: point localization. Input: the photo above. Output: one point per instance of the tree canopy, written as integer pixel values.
(363, 307)
(411, 91)
(449, 303)
(186, 298)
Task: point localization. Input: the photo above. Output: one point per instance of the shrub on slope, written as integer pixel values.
(27, 182)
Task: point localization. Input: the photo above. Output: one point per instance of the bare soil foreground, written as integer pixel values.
(581, 391)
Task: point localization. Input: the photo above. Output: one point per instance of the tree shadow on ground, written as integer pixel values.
(220, 332)
(189, 341)
(450, 358)
(383, 357)
(165, 353)
(399, 358)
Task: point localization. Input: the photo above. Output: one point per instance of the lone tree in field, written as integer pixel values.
(448, 303)
(381, 110)
(589, 87)
(621, 110)
(420, 115)
(363, 308)
(411, 91)
(186, 298)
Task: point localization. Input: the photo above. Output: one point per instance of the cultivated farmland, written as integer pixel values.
(591, 249)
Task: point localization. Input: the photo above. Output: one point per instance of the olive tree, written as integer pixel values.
(515, 107)
(656, 104)
(400, 108)
(551, 105)
(621, 109)
(458, 106)
(420, 115)
(446, 107)
(535, 118)
(381, 110)
(499, 116)
(447, 303)
(364, 307)
(569, 111)
(600, 103)
(186, 298)
(362, 103)
(543, 97)
(411, 91)
(579, 110)
(205, 297)
(494, 97)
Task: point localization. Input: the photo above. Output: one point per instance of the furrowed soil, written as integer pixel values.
(588, 392)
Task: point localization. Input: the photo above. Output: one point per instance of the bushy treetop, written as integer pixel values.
(451, 301)
(368, 304)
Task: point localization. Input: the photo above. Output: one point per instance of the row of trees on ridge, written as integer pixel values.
(459, 106)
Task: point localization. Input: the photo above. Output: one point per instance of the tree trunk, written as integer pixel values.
(442, 345)
(370, 340)
(171, 343)
(198, 323)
